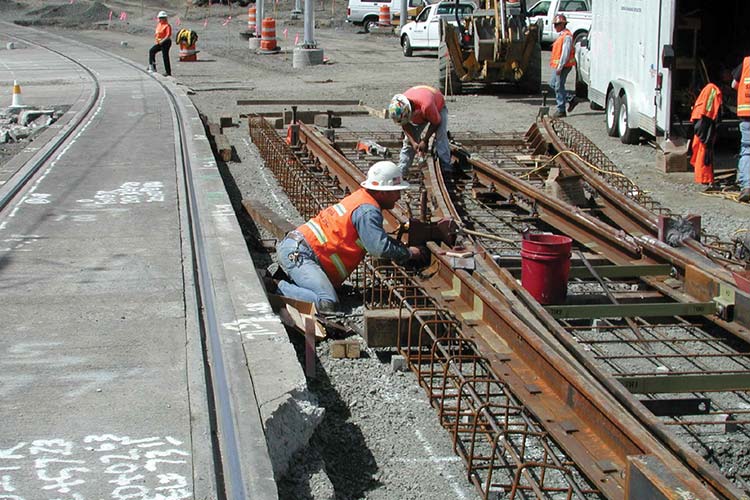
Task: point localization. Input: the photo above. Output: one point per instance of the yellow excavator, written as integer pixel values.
(491, 45)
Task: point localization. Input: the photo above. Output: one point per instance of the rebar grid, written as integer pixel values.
(504, 449)
(583, 147)
(309, 191)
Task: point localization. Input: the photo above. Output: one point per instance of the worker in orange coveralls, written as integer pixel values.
(163, 42)
(705, 117)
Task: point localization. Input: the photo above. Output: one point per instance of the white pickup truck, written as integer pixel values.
(424, 31)
(577, 12)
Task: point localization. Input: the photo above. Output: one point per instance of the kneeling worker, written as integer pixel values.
(320, 254)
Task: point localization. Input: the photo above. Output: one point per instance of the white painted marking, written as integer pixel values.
(435, 459)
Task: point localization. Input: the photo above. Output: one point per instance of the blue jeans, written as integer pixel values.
(442, 145)
(743, 167)
(557, 82)
(311, 283)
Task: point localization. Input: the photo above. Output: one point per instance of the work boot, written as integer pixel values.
(744, 195)
(558, 114)
(572, 104)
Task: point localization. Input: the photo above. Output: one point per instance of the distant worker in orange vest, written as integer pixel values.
(741, 81)
(563, 59)
(321, 253)
(163, 39)
(419, 107)
(705, 117)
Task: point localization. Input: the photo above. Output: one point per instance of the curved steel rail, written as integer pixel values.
(582, 417)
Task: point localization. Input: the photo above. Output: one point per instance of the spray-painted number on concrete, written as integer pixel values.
(128, 193)
(100, 466)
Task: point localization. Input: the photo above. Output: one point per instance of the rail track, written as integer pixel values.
(619, 392)
(234, 445)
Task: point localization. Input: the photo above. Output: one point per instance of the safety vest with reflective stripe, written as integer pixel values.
(707, 104)
(334, 239)
(743, 90)
(557, 49)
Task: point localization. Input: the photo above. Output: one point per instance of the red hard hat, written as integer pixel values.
(560, 19)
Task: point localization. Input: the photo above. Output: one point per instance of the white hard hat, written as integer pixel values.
(384, 176)
(162, 15)
(400, 109)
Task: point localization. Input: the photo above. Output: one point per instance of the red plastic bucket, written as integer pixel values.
(545, 266)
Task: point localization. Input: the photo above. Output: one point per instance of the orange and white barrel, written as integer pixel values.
(268, 35)
(384, 15)
(188, 52)
(251, 24)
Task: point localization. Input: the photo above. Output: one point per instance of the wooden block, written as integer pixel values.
(338, 349)
(225, 121)
(381, 328)
(347, 348)
(673, 158)
(353, 349)
(321, 120)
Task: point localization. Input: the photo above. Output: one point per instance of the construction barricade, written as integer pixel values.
(384, 16)
(187, 38)
(251, 23)
(268, 36)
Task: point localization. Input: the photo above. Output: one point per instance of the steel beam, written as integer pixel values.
(596, 311)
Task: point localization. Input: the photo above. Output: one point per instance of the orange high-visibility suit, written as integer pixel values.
(705, 116)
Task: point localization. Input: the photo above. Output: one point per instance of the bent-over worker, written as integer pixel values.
(163, 39)
(416, 108)
(705, 116)
(320, 254)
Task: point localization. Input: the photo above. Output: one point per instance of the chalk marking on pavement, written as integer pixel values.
(435, 459)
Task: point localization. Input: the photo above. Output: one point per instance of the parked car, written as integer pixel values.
(365, 12)
(424, 31)
(577, 12)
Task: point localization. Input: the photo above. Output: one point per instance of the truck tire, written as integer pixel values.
(369, 22)
(612, 112)
(531, 83)
(445, 67)
(406, 46)
(628, 134)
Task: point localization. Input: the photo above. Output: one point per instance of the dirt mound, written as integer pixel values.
(71, 15)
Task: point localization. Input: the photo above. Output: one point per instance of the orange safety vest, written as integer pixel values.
(557, 48)
(163, 31)
(743, 91)
(334, 239)
(707, 104)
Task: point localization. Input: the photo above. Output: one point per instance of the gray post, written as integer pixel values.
(404, 13)
(258, 16)
(309, 42)
(308, 53)
(297, 9)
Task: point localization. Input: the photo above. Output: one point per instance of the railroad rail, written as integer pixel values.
(221, 465)
(502, 371)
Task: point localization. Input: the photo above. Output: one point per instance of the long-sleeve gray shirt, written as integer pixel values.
(566, 48)
(368, 221)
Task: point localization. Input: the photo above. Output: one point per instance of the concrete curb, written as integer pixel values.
(257, 348)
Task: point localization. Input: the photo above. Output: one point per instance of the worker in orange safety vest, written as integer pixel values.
(705, 117)
(741, 82)
(563, 59)
(321, 253)
(163, 39)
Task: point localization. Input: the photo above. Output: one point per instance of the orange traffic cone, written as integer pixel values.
(17, 98)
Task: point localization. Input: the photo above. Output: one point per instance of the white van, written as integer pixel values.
(365, 12)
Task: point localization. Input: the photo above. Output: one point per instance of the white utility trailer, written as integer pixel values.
(645, 61)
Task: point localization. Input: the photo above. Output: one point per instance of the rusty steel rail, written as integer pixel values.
(626, 204)
(539, 319)
(491, 366)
